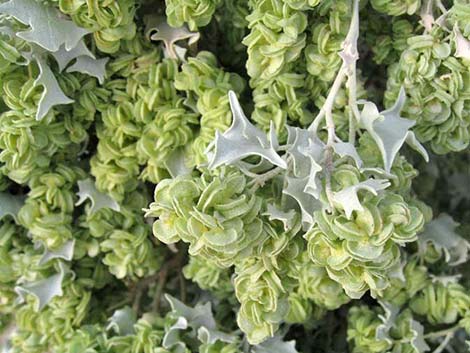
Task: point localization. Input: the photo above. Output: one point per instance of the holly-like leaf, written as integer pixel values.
(172, 335)
(122, 322)
(52, 94)
(388, 320)
(346, 149)
(90, 66)
(441, 233)
(207, 336)
(275, 345)
(200, 315)
(275, 214)
(176, 163)
(199, 318)
(157, 29)
(65, 252)
(242, 140)
(43, 290)
(48, 29)
(462, 44)
(64, 57)
(389, 130)
(348, 199)
(87, 190)
(10, 204)
(418, 342)
(307, 203)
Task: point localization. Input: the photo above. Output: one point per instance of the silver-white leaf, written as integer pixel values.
(241, 140)
(43, 290)
(122, 322)
(389, 130)
(348, 199)
(87, 190)
(441, 233)
(65, 252)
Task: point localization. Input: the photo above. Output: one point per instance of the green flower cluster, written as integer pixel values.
(109, 21)
(196, 13)
(155, 111)
(436, 83)
(368, 333)
(361, 251)
(308, 220)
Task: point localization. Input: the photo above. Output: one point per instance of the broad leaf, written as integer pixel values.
(389, 130)
(65, 252)
(10, 204)
(122, 321)
(242, 140)
(441, 233)
(48, 29)
(348, 198)
(87, 190)
(43, 290)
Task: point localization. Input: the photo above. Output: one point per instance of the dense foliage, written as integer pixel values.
(234, 176)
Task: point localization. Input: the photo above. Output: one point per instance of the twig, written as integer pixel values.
(444, 343)
(159, 291)
(441, 333)
(350, 55)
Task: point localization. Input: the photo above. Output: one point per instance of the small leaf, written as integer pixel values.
(346, 149)
(389, 130)
(65, 252)
(307, 203)
(10, 205)
(348, 199)
(275, 214)
(207, 336)
(388, 320)
(90, 66)
(176, 164)
(64, 57)
(462, 45)
(200, 315)
(87, 190)
(169, 36)
(48, 29)
(418, 342)
(122, 321)
(242, 140)
(172, 337)
(275, 345)
(52, 94)
(441, 233)
(43, 290)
